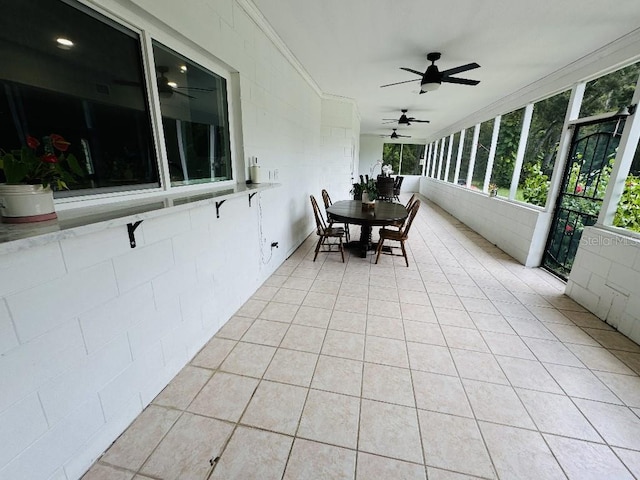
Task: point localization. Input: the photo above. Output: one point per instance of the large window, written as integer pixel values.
(454, 157)
(71, 72)
(506, 151)
(610, 92)
(404, 158)
(628, 212)
(482, 154)
(466, 156)
(194, 119)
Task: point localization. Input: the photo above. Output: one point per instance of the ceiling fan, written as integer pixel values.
(394, 134)
(432, 77)
(165, 87)
(404, 120)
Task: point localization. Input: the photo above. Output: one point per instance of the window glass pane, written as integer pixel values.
(454, 157)
(628, 212)
(466, 155)
(506, 151)
(610, 92)
(542, 148)
(195, 119)
(411, 155)
(91, 93)
(482, 155)
(442, 156)
(390, 156)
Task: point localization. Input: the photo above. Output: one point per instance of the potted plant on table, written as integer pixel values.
(31, 174)
(369, 193)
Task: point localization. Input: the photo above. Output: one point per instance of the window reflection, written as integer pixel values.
(195, 123)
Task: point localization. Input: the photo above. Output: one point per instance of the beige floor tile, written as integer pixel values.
(293, 367)
(235, 327)
(251, 308)
(387, 384)
(372, 467)
(338, 375)
(330, 418)
(581, 383)
(309, 460)
(507, 345)
(386, 293)
(617, 424)
(497, 403)
(253, 454)
(464, 338)
(266, 332)
(297, 283)
(320, 300)
(557, 414)
(390, 431)
(442, 438)
(183, 388)
(306, 270)
(307, 339)
(446, 301)
(106, 472)
(343, 344)
(571, 334)
(248, 359)
(265, 292)
(348, 322)
(440, 393)
(224, 397)
(612, 339)
(478, 366)
(552, 351)
(346, 303)
(550, 315)
(529, 374)
(386, 351)
(383, 308)
(275, 280)
(530, 327)
(587, 461)
(133, 447)
(491, 323)
(360, 290)
(598, 358)
(214, 352)
(414, 297)
(387, 327)
(312, 317)
(430, 358)
(418, 313)
(186, 450)
(439, 474)
(453, 317)
(631, 459)
(520, 454)
(423, 332)
(480, 305)
(276, 407)
(279, 312)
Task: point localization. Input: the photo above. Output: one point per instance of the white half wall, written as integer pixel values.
(517, 229)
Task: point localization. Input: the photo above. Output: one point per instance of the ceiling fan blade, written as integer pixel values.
(397, 83)
(420, 121)
(460, 69)
(392, 121)
(461, 81)
(197, 89)
(405, 136)
(412, 71)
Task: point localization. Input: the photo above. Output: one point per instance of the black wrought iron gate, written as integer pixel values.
(586, 175)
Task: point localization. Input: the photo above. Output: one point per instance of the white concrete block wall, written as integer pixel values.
(605, 279)
(92, 330)
(516, 229)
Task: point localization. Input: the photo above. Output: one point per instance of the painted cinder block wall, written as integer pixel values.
(92, 330)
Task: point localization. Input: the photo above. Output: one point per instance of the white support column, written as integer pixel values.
(424, 160)
(492, 153)
(573, 111)
(441, 158)
(522, 147)
(456, 174)
(448, 166)
(474, 151)
(622, 164)
(427, 163)
(435, 158)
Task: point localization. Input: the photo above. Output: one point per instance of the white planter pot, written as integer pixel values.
(26, 203)
(365, 198)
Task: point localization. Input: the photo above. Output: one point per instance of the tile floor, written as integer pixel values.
(464, 365)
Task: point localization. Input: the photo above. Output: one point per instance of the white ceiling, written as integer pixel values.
(351, 47)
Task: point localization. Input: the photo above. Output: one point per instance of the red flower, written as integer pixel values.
(59, 143)
(579, 188)
(49, 158)
(568, 229)
(32, 142)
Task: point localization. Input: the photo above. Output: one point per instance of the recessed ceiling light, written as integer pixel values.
(64, 42)
(172, 84)
(183, 68)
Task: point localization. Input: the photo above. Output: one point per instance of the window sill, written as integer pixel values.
(90, 219)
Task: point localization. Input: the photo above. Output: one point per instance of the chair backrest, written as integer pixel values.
(412, 214)
(361, 179)
(413, 198)
(385, 187)
(397, 184)
(326, 199)
(321, 226)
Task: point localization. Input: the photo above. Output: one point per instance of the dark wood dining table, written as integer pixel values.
(382, 214)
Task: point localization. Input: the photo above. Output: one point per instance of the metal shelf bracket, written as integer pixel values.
(251, 196)
(131, 228)
(218, 207)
